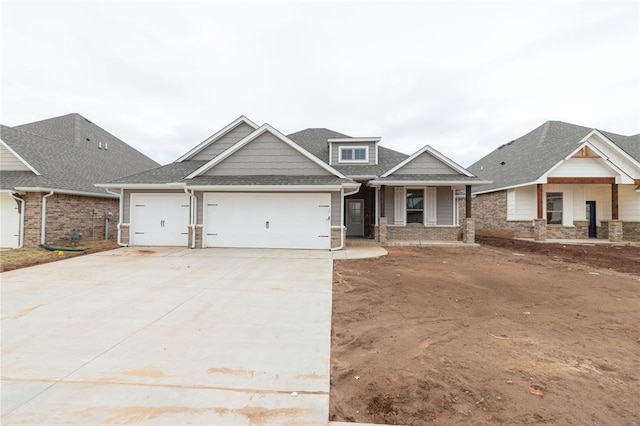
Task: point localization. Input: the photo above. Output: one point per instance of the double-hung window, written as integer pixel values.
(415, 206)
(354, 154)
(554, 208)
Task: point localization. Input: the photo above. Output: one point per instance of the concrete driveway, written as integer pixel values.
(169, 336)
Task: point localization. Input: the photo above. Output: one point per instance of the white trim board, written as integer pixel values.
(22, 160)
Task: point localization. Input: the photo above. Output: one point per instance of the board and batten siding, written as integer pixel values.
(267, 155)
(335, 153)
(226, 141)
(425, 164)
(628, 203)
(522, 203)
(439, 205)
(10, 163)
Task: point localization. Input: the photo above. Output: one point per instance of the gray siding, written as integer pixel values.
(267, 155)
(9, 162)
(226, 141)
(126, 199)
(388, 202)
(336, 208)
(335, 153)
(445, 206)
(425, 164)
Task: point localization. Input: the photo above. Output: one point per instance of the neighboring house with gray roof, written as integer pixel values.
(48, 172)
(561, 181)
(252, 186)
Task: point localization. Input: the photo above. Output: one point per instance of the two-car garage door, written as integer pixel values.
(264, 220)
(267, 220)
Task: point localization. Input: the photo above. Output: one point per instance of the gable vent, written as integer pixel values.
(99, 145)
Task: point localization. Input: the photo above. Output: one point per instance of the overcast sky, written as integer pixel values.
(463, 77)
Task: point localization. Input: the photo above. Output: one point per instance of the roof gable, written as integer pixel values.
(266, 151)
(11, 161)
(529, 158)
(427, 161)
(221, 140)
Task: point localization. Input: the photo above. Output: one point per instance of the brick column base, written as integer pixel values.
(468, 231)
(124, 234)
(382, 230)
(540, 229)
(615, 230)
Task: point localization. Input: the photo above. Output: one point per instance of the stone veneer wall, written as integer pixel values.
(336, 236)
(490, 214)
(423, 233)
(631, 231)
(65, 213)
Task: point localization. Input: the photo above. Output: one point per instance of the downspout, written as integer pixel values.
(342, 230)
(43, 223)
(21, 234)
(120, 210)
(192, 215)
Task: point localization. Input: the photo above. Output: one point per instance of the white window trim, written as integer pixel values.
(353, 148)
(424, 203)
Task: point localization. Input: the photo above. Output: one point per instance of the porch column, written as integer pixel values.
(382, 201)
(540, 223)
(615, 224)
(468, 201)
(468, 227)
(382, 221)
(614, 201)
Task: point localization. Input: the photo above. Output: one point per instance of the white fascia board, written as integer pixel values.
(349, 140)
(612, 145)
(436, 154)
(504, 188)
(22, 160)
(211, 139)
(265, 188)
(177, 185)
(362, 177)
(63, 191)
(428, 183)
(259, 131)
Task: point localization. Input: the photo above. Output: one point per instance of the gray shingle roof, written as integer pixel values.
(170, 173)
(267, 180)
(525, 159)
(435, 178)
(59, 150)
(315, 140)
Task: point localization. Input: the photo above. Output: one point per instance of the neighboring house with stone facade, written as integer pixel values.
(561, 181)
(253, 186)
(47, 174)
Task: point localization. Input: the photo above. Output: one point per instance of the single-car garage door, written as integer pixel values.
(10, 222)
(159, 219)
(268, 220)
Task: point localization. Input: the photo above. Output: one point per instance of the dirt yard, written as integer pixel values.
(510, 333)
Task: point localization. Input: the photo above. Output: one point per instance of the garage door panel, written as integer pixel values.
(9, 222)
(159, 219)
(268, 220)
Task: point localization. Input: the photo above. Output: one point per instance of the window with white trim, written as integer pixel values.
(554, 208)
(355, 154)
(415, 206)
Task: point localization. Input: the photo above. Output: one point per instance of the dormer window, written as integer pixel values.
(354, 154)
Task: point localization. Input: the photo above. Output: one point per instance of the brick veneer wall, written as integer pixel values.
(490, 214)
(423, 233)
(336, 236)
(65, 213)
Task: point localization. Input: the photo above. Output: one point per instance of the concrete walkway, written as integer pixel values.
(169, 336)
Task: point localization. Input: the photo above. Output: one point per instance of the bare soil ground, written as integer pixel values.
(510, 333)
(24, 257)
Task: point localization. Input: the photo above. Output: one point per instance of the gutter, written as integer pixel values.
(120, 211)
(192, 215)
(43, 224)
(61, 191)
(21, 232)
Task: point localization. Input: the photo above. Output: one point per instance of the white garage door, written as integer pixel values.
(159, 219)
(267, 220)
(9, 222)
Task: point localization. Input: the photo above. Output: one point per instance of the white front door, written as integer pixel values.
(159, 219)
(9, 222)
(267, 220)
